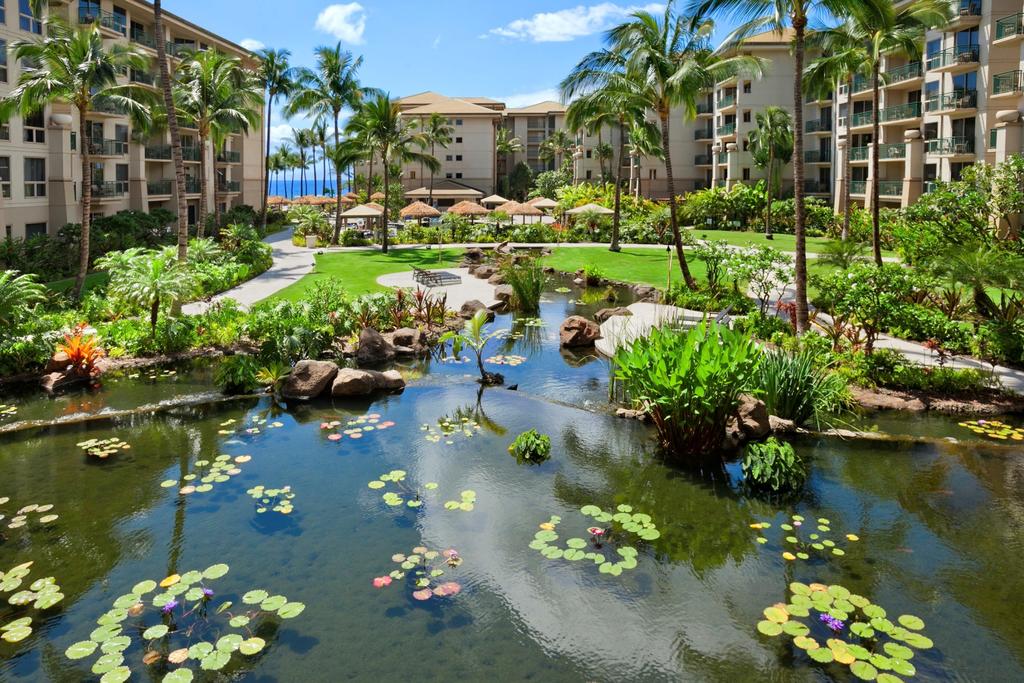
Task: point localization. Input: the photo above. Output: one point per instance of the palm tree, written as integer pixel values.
(177, 157)
(556, 146)
(396, 142)
(672, 60)
(318, 139)
(438, 132)
(19, 294)
(149, 280)
(605, 153)
(75, 66)
(505, 143)
(325, 91)
(644, 141)
(277, 77)
(301, 139)
(771, 145)
(217, 96)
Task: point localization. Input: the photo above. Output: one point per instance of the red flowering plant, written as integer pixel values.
(83, 351)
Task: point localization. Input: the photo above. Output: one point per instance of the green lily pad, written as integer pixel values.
(903, 667)
(215, 571)
(229, 643)
(118, 675)
(291, 610)
(863, 670)
(255, 597)
(779, 616)
(200, 650)
(273, 603)
(215, 661)
(154, 632)
(108, 662)
(769, 628)
(576, 543)
(115, 644)
(252, 646)
(239, 621)
(16, 634)
(143, 587)
(81, 649)
(911, 622)
(795, 628)
(822, 654)
(179, 676)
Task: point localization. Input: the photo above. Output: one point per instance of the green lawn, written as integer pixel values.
(92, 281)
(646, 266)
(357, 271)
(815, 245)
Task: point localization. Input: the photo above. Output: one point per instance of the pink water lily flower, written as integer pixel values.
(595, 531)
(334, 437)
(324, 425)
(381, 581)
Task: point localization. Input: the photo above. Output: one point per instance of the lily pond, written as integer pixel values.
(154, 530)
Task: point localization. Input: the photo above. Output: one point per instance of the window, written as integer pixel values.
(956, 170)
(589, 155)
(34, 230)
(590, 174)
(458, 122)
(458, 141)
(458, 175)
(5, 177)
(934, 47)
(448, 175)
(3, 60)
(3, 20)
(458, 157)
(448, 157)
(26, 19)
(35, 177)
(746, 145)
(412, 175)
(746, 87)
(652, 174)
(34, 130)
(5, 132)
(74, 141)
(746, 116)
(121, 173)
(746, 174)
(993, 137)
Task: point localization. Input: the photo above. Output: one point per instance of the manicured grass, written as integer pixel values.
(92, 281)
(815, 245)
(357, 271)
(641, 266)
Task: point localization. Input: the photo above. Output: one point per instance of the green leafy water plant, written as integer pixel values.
(449, 429)
(804, 539)
(180, 628)
(29, 516)
(40, 594)
(208, 473)
(615, 530)
(404, 494)
(474, 337)
(426, 573)
(103, 448)
(994, 429)
(356, 428)
(773, 466)
(8, 410)
(531, 447)
(258, 423)
(275, 500)
(466, 502)
(856, 632)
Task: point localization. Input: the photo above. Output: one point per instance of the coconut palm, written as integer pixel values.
(771, 146)
(644, 142)
(671, 58)
(318, 138)
(438, 132)
(302, 140)
(217, 96)
(325, 91)
(277, 77)
(395, 141)
(556, 146)
(75, 66)
(505, 143)
(149, 280)
(605, 153)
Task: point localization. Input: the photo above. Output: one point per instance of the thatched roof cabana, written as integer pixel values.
(517, 209)
(590, 208)
(363, 211)
(419, 210)
(467, 208)
(543, 203)
(375, 205)
(278, 201)
(494, 200)
(377, 196)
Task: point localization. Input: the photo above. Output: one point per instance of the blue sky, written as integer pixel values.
(515, 52)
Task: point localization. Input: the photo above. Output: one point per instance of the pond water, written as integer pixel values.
(938, 527)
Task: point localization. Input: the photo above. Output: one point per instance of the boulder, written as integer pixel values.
(472, 268)
(473, 255)
(373, 348)
(578, 332)
(549, 270)
(606, 313)
(391, 380)
(877, 400)
(55, 381)
(309, 379)
(407, 336)
(630, 414)
(484, 272)
(752, 418)
(504, 293)
(781, 425)
(496, 279)
(352, 382)
(503, 248)
(470, 308)
(58, 363)
(645, 293)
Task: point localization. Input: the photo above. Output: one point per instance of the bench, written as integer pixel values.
(435, 278)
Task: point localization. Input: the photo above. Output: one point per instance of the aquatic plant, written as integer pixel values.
(473, 337)
(208, 473)
(562, 290)
(277, 500)
(103, 448)
(27, 515)
(356, 428)
(530, 322)
(423, 570)
(466, 502)
(527, 280)
(405, 494)
(801, 548)
(856, 632)
(41, 594)
(258, 424)
(994, 429)
(237, 374)
(273, 375)
(616, 529)
(796, 387)
(773, 466)
(531, 447)
(180, 627)
(8, 410)
(449, 428)
(510, 360)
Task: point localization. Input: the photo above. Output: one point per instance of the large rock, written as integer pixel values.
(504, 293)
(309, 379)
(55, 381)
(352, 382)
(605, 313)
(496, 279)
(59, 362)
(781, 425)
(470, 308)
(577, 332)
(473, 255)
(752, 418)
(407, 336)
(645, 293)
(373, 348)
(391, 380)
(484, 272)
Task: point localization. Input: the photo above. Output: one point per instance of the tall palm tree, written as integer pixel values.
(438, 132)
(75, 66)
(325, 91)
(177, 156)
(396, 142)
(876, 29)
(301, 139)
(771, 145)
(644, 141)
(556, 146)
(361, 136)
(605, 153)
(505, 143)
(318, 138)
(277, 76)
(217, 96)
(671, 56)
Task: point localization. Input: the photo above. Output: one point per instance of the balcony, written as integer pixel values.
(1007, 83)
(142, 77)
(193, 186)
(160, 188)
(900, 112)
(890, 188)
(702, 160)
(818, 126)
(950, 146)
(705, 109)
(817, 187)
(726, 130)
(823, 99)
(112, 22)
(228, 186)
(104, 106)
(1010, 29)
(100, 147)
(722, 157)
(861, 84)
(158, 152)
(861, 119)
(904, 75)
(956, 100)
(180, 49)
(930, 186)
(228, 157)
(726, 101)
(858, 187)
(699, 185)
(959, 58)
(896, 150)
(706, 134)
(110, 190)
(191, 153)
(859, 153)
(818, 156)
(966, 13)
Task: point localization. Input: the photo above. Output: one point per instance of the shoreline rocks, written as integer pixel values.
(309, 379)
(577, 332)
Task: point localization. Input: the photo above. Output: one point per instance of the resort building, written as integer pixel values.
(40, 167)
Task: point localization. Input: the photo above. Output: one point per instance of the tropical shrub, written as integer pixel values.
(888, 369)
(237, 374)
(764, 269)
(527, 280)
(19, 295)
(871, 296)
(708, 300)
(689, 382)
(83, 351)
(821, 219)
(796, 387)
(773, 466)
(531, 447)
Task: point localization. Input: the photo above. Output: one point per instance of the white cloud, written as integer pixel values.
(437, 42)
(344, 22)
(528, 98)
(569, 24)
(280, 133)
(251, 44)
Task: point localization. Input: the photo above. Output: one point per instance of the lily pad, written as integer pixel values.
(81, 649)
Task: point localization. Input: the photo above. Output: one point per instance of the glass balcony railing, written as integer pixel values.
(1010, 26)
(727, 129)
(193, 186)
(900, 112)
(143, 38)
(107, 148)
(858, 187)
(965, 54)
(229, 186)
(722, 157)
(966, 8)
(896, 150)
(817, 187)
(159, 152)
(115, 22)
(190, 153)
(113, 188)
(950, 146)
(958, 99)
(818, 125)
(228, 157)
(105, 106)
(890, 188)
(930, 186)
(160, 187)
(861, 83)
(903, 73)
(705, 108)
(1007, 82)
(726, 101)
(859, 153)
(702, 160)
(861, 118)
(818, 156)
(706, 134)
(142, 77)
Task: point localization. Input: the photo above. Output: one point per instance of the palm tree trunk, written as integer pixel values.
(876, 219)
(337, 190)
(154, 314)
(847, 211)
(313, 149)
(768, 197)
(617, 218)
(387, 197)
(799, 26)
(204, 188)
(172, 126)
(430, 196)
(266, 167)
(600, 158)
(673, 219)
(83, 242)
(337, 179)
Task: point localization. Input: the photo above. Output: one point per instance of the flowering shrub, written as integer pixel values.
(82, 350)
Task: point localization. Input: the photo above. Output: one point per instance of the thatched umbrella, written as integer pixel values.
(363, 211)
(590, 208)
(377, 196)
(419, 210)
(375, 205)
(305, 200)
(517, 209)
(468, 208)
(543, 203)
(493, 200)
(353, 196)
(345, 199)
(278, 201)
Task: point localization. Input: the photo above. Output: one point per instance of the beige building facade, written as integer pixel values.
(40, 165)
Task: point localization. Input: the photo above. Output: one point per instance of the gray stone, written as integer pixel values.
(391, 380)
(630, 414)
(645, 293)
(504, 293)
(373, 348)
(470, 308)
(496, 279)
(578, 332)
(605, 313)
(309, 379)
(55, 381)
(473, 255)
(781, 425)
(752, 417)
(407, 336)
(484, 272)
(352, 382)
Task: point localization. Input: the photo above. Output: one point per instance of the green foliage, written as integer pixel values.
(716, 255)
(886, 368)
(149, 281)
(527, 280)
(773, 466)
(821, 218)
(709, 300)
(19, 295)
(689, 382)
(273, 374)
(547, 183)
(531, 447)
(952, 214)
(796, 387)
(519, 181)
(764, 269)
(473, 336)
(237, 375)
(844, 254)
(872, 297)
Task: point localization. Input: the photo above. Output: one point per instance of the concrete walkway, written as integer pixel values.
(291, 264)
(621, 330)
(469, 289)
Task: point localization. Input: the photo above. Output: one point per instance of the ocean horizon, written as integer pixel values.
(290, 190)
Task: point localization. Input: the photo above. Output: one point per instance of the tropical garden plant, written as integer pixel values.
(276, 75)
(771, 145)
(531, 447)
(797, 387)
(474, 337)
(774, 467)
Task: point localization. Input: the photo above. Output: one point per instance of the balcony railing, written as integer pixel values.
(903, 73)
(706, 134)
(861, 118)
(910, 110)
(722, 157)
(859, 153)
(190, 153)
(896, 150)
(967, 8)
(699, 185)
(103, 105)
(143, 38)
(861, 83)
(705, 108)
(957, 145)
(1010, 26)
(113, 188)
(890, 188)
(160, 187)
(702, 160)
(966, 54)
(858, 187)
(1008, 82)
(818, 156)
(726, 101)
(193, 186)
(930, 186)
(727, 129)
(817, 187)
(818, 125)
(812, 98)
(142, 77)
(161, 152)
(180, 49)
(229, 157)
(958, 99)
(115, 22)
(107, 148)
(229, 186)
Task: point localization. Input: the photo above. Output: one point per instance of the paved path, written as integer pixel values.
(469, 289)
(620, 330)
(291, 264)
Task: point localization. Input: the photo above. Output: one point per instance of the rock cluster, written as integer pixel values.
(578, 332)
(314, 378)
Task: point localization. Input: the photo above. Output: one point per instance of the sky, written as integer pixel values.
(513, 52)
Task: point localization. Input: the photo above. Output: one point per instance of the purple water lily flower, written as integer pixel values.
(833, 623)
(169, 606)
(207, 593)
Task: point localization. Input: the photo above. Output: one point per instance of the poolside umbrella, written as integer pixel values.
(543, 203)
(377, 196)
(590, 208)
(352, 195)
(517, 209)
(345, 199)
(493, 200)
(363, 211)
(419, 210)
(468, 208)
(306, 200)
(375, 205)
(277, 201)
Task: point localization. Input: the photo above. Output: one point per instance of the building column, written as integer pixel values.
(1008, 143)
(731, 165)
(913, 166)
(715, 149)
(839, 167)
(60, 170)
